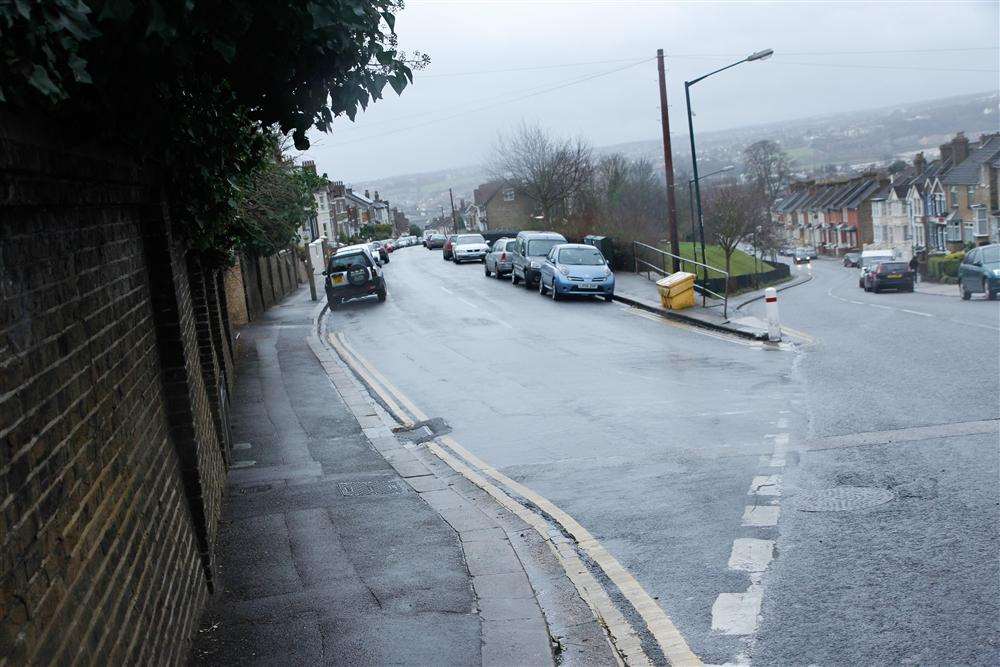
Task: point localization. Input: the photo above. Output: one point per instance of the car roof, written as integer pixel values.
(349, 249)
(541, 235)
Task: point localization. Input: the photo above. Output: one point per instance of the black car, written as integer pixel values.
(801, 256)
(435, 241)
(352, 273)
(889, 275)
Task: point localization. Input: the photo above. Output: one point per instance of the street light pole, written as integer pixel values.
(694, 255)
(668, 164)
(759, 55)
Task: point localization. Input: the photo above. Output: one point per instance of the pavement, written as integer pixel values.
(342, 543)
(827, 502)
(937, 289)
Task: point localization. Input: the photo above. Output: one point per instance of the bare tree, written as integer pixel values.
(733, 212)
(550, 171)
(767, 165)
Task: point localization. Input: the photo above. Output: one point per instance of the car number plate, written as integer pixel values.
(588, 286)
(338, 279)
(895, 275)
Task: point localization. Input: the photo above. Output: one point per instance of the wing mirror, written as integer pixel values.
(325, 272)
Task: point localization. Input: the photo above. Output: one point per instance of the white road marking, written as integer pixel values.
(878, 305)
(693, 329)
(973, 324)
(765, 485)
(780, 447)
(737, 613)
(446, 289)
(916, 312)
(468, 303)
(751, 555)
(760, 516)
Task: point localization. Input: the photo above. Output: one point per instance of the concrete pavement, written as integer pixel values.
(339, 545)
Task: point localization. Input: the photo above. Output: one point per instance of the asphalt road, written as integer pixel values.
(653, 436)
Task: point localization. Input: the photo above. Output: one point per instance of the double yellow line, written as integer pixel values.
(550, 522)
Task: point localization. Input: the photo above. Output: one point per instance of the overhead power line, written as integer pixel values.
(516, 98)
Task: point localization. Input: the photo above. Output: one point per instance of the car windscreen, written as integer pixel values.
(581, 257)
(990, 254)
(469, 238)
(341, 263)
(893, 267)
(541, 247)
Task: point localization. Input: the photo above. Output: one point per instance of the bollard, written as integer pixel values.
(771, 308)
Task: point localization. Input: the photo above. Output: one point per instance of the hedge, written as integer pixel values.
(942, 266)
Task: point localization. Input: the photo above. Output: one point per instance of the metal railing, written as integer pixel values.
(655, 260)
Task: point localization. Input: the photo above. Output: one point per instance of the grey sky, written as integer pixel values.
(405, 134)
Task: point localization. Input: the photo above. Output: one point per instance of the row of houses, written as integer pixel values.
(941, 205)
(342, 213)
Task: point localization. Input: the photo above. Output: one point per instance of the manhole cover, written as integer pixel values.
(842, 499)
(370, 487)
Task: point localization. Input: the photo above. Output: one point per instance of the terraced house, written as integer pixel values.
(945, 204)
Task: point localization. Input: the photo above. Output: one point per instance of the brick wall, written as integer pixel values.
(111, 469)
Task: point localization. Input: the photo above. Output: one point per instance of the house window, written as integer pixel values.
(921, 239)
(970, 193)
(508, 194)
(954, 196)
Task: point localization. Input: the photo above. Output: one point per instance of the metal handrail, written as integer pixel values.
(701, 288)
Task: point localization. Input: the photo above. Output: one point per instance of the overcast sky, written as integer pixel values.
(452, 113)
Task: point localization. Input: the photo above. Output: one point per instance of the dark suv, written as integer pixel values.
(352, 273)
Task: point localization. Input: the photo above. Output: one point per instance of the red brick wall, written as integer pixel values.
(111, 473)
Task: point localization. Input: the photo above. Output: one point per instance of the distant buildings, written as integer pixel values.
(936, 206)
(498, 205)
(341, 213)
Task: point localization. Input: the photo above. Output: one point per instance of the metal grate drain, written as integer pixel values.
(842, 499)
(370, 487)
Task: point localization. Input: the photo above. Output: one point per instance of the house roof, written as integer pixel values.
(967, 171)
(487, 191)
(868, 186)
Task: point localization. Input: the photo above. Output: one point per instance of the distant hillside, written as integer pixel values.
(849, 138)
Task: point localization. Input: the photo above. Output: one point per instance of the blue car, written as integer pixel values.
(575, 268)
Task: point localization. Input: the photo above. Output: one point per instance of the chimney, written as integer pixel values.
(919, 163)
(367, 196)
(959, 148)
(376, 196)
(309, 166)
(945, 152)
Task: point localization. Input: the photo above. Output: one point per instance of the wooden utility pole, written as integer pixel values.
(454, 220)
(668, 163)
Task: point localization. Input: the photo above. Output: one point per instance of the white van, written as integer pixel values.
(869, 258)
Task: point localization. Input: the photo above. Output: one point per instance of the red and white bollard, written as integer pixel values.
(771, 308)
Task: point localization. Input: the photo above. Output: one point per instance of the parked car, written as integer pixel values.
(469, 248)
(801, 256)
(500, 259)
(447, 248)
(979, 272)
(813, 254)
(435, 241)
(786, 250)
(889, 275)
(576, 269)
(530, 250)
(869, 259)
(379, 250)
(852, 259)
(352, 273)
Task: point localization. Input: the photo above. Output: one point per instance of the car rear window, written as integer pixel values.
(990, 254)
(347, 262)
(894, 267)
(510, 246)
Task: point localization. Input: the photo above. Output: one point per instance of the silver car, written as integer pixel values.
(468, 247)
(500, 259)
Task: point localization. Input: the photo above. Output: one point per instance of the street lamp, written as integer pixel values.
(694, 232)
(757, 55)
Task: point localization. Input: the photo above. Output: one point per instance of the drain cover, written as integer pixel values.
(842, 499)
(370, 487)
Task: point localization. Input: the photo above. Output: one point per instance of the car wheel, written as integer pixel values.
(608, 298)
(541, 286)
(486, 269)
(527, 283)
(381, 296)
(966, 294)
(513, 278)
(986, 290)
(555, 292)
